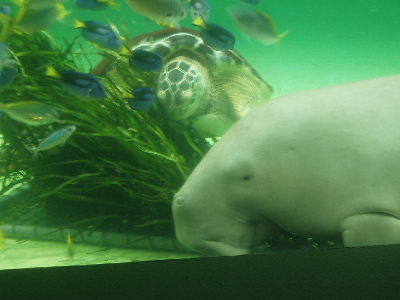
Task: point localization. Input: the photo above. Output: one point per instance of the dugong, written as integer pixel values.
(321, 163)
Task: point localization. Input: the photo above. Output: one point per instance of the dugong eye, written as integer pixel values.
(246, 177)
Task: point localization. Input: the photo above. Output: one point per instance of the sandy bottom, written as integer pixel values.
(18, 254)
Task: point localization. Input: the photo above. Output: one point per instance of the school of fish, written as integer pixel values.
(38, 15)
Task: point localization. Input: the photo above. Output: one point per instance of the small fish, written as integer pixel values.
(8, 69)
(70, 246)
(7, 75)
(5, 9)
(161, 11)
(81, 85)
(95, 4)
(215, 36)
(34, 20)
(5, 57)
(143, 60)
(100, 34)
(256, 24)
(30, 112)
(251, 2)
(42, 4)
(5, 19)
(141, 98)
(1, 239)
(57, 138)
(199, 7)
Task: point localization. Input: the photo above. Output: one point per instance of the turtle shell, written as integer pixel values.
(208, 89)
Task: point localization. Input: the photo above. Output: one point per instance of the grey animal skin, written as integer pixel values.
(321, 163)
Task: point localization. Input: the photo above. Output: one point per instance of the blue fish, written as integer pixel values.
(251, 2)
(8, 69)
(5, 57)
(95, 4)
(215, 36)
(7, 75)
(199, 7)
(141, 98)
(82, 85)
(57, 138)
(145, 60)
(5, 9)
(100, 34)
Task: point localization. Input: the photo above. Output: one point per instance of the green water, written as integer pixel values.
(330, 42)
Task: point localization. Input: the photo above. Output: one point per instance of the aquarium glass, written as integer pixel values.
(95, 140)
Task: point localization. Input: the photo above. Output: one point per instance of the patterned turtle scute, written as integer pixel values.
(205, 88)
(180, 86)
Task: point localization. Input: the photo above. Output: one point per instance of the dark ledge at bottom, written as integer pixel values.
(348, 273)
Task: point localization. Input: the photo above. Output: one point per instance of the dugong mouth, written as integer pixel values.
(214, 247)
(215, 231)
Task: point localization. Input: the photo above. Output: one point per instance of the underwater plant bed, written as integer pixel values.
(120, 168)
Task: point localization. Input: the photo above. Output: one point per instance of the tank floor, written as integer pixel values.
(20, 254)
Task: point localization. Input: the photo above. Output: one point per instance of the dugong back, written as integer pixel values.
(324, 154)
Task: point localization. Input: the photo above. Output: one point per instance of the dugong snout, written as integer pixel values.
(202, 230)
(198, 230)
(215, 230)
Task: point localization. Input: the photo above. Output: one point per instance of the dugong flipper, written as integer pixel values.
(319, 163)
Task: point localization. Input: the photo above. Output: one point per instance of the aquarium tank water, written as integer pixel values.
(106, 108)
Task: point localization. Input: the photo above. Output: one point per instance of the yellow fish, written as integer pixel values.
(255, 24)
(34, 20)
(161, 11)
(1, 239)
(71, 247)
(30, 112)
(42, 4)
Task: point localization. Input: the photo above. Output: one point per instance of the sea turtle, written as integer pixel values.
(206, 88)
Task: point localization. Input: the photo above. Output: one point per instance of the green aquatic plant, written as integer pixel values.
(120, 168)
